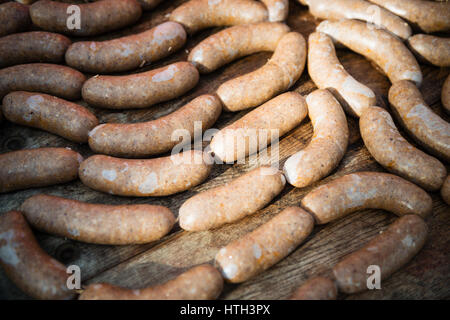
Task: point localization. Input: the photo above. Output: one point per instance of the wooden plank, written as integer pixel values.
(140, 265)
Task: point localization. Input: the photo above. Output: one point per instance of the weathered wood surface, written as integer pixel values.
(426, 277)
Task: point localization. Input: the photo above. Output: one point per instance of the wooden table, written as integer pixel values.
(427, 276)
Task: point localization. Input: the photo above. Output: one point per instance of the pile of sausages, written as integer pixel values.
(37, 91)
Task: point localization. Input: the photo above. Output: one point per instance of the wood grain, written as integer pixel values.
(426, 277)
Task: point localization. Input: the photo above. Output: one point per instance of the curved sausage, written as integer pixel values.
(366, 190)
(419, 120)
(14, 17)
(318, 288)
(143, 178)
(445, 95)
(95, 17)
(154, 137)
(390, 250)
(140, 90)
(360, 10)
(432, 49)
(327, 146)
(235, 42)
(278, 10)
(445, 190)
(37, 168)
(49, 113)
(428, 15)
(393, 152)
(256, 129)
(260, 249)
(203, 282)
(33, 46)
(126, 53)
(233, 201)
(276, 76)
(196, 15)
(26, 264)
(377, 45)
(53, 79)
(328, 73)
(98, 223)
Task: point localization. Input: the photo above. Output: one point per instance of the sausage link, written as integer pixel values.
(360, 10)
(390, 250)
(235, 42)
(141, 90)
(14, 17)
(49, 113)
(428, 15)
(233, 201)
(203, 282)
(431, 49)
(323, 62)
(255, 130)
(327, 146)
(155, 137)
(53, 79)
(377, 45)
(393, 152)
(196, 15)
(37, 168)
(276, 76)
(95, 18)
(128, 52)
(149, 4)
(425, 126)
(26, 264)
(142, 178)
(98, 223)
(366, 190)
(259, 250)
(33, 46)
(318, 288)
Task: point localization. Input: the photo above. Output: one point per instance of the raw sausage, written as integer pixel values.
(360, 10)
(203, 282)
(33, 46)
(430, 130)
(14, 17)
(278, 9)
(53, 79)
(390, 250)
(37, 168)
(235, 42)
(445, 190)
(95, 18)
(196, 15)
(260, 249)
(328, 73)
(255, 131)
(155, 137)
(385, 50)
(42, 111)
(142, 178)
(140, 90)
(393, 152)
(276, 76)
(26, 264)
(431, 49)
(98, 223)
(233, 201)
(428, 15)
(366, 190)
(126, 53)
(327, 146)
(445, 95)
